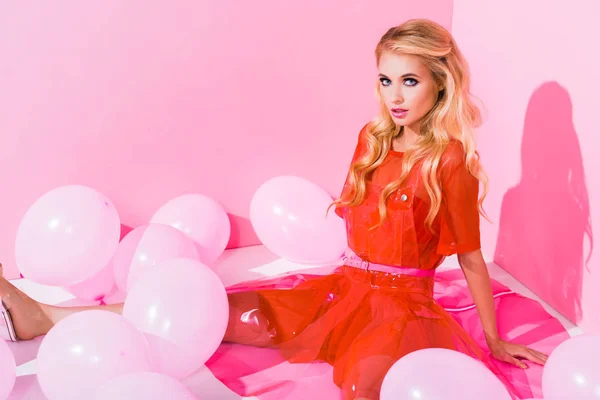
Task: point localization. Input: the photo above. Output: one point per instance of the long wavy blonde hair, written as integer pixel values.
(454, 116)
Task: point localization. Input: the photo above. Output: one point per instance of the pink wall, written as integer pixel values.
(534, 66)
(145, 101)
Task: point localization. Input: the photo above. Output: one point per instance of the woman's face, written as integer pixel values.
(407, 88)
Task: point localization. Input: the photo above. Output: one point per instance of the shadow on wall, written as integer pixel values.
(545, 218)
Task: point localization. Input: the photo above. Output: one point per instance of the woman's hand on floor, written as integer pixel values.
(513, 353)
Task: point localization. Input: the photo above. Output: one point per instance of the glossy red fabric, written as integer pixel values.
(264, 372)
(359, 321)
(403, 238)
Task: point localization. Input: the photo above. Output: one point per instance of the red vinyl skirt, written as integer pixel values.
(360, 322)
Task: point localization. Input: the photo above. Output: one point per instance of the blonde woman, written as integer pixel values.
(411, 199)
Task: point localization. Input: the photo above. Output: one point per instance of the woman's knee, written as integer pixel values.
(247, 322)
(365, 377)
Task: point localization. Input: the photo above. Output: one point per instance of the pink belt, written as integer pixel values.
(352, 260)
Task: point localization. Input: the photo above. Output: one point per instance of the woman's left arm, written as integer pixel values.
(478, 280)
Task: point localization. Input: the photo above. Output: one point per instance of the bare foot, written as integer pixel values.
(28, 316)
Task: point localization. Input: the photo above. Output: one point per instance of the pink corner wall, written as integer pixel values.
(146, 100)
(534, 67)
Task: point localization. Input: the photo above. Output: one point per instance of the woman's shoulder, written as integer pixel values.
(364, 130)
(454, 149)
(361, 140)
(454, 154)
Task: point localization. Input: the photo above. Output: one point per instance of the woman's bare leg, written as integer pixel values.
(247, 325)
(31, 318)
(56, 313)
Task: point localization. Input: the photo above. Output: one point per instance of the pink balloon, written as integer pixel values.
(86, 350)
(67, 236)
(146, 246)
(144, 385)
(289, 216)
(8, 370)
(202, 219)
(437, 373)
(183, 307)
(571, 371)
(95, 288)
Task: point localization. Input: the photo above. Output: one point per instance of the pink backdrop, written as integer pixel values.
(146, 100)
(534, 66)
